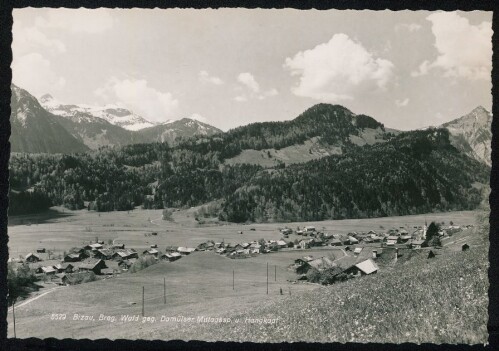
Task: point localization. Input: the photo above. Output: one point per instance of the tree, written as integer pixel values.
(167, 214)
(19, 281)
(313, 275)
(432, 236)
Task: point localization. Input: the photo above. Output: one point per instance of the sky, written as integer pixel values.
(231, 67)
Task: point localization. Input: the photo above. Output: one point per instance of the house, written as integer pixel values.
(303, 260)
(465, 247)
(304, 244)
(357, 250)
(281, 244)
(256, 248)
(154, 246)
(245, 245)
(377, 253)
(335, 242)
(286, 231)
(352, 240)
(416, 244)
(328, 235)
(64, 267)
(103, 254)
(48, 270)
(125, 254)
(375, 238)
(31, 257)
(118, 246)
(309, 229)
(272, 246)
(93, 247)
(321, 263)
(363, 268)
(316, 242)
(230, 250)
(404, 238)
(299, 232)
(61, 279)
(176, 255)
(92, 265)
(75, 257)
(152, 252)
(185, 250)
(171, 248)
(40, 250)
(238, 247)
(202, 247)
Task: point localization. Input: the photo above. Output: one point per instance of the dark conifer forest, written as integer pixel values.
(402, 173)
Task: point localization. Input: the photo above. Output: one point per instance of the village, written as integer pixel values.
(345, 255)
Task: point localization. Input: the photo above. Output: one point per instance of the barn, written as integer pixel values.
(64, 267)
(363, 268)
(103, 254)
(75, 257)
(92, 266)
(31, 257)
(48, 270)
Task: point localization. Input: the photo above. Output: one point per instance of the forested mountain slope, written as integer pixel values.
(416, 172)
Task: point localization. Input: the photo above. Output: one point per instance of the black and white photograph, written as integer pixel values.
(250, 175)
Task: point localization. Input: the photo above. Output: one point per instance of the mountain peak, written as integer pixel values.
(46, 98)
(479, 110)
(471, 133)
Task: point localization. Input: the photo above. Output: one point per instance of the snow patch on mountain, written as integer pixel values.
(112, 113)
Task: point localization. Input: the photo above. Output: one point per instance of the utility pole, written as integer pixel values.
(275, 273)
(233, 279)
(267, 278)
(14, 316)
(143, 291)
(164, 290)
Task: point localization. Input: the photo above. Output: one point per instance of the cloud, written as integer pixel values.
(204, 77)
(90, 21)
(34, 73)
(268, 93)
(253, 90)
(249, 81)
(464, 50)
(136, 95)
(28, 39)
(411, 27)
(241, 98)
(337, 70)
(402, 103)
